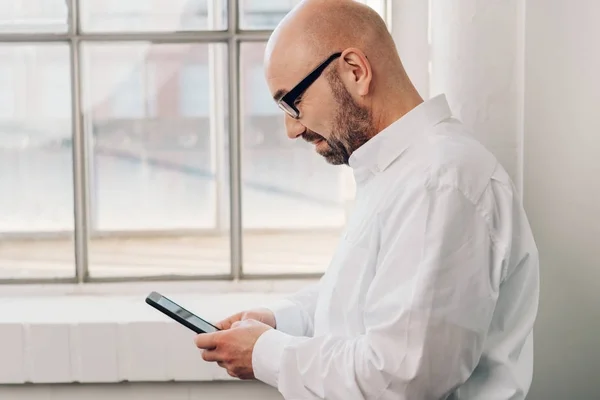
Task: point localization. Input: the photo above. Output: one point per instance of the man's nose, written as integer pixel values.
(293, 127)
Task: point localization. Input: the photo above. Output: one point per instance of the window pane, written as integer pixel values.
(266, 14)
(155, 114)
(36, 169)
(153, 16)
(293, 201)
(34, 16)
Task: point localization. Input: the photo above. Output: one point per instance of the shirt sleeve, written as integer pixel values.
(294, 315)
(426, 312)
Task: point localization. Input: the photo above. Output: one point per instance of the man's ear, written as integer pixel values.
(356, 71)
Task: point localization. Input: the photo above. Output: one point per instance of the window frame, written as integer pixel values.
(233, 37)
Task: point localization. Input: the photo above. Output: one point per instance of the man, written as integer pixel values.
(433, 290)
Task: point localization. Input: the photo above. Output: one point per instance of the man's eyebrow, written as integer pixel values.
(279, 94)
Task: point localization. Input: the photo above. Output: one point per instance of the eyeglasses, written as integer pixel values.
(287, 102)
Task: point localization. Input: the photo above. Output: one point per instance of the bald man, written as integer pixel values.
(433, 290)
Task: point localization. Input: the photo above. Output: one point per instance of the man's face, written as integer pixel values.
(330, 118)
(352, 125)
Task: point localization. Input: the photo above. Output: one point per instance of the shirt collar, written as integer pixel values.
(380, 151)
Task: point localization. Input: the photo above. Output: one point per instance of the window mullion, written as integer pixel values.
(234, 141)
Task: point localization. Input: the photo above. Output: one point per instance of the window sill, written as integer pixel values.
(107, 333)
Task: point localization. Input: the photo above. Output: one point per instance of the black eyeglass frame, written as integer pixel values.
(287, 102)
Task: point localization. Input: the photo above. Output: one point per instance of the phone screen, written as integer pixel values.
(185, 314)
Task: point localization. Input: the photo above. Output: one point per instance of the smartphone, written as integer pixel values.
(179, 314)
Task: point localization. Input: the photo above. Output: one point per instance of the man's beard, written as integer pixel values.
(353, 126)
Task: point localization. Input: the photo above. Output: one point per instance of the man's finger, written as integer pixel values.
(222, 325)
(231, 374)
(211, 356)
(226, 323)
(206, 341)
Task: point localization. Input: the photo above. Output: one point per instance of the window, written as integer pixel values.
(257, 96)
(33, 16)
(36, 163)
(168, 183)
(55, 96)
(153, 16)
(152, 172)
(264, 14)
(194, 88)
(128, 98)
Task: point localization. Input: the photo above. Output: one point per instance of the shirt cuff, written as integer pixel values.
(288, 317)
(267, 355)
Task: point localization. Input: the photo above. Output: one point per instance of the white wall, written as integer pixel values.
(562, 192)
(410, 21)
(476, 61)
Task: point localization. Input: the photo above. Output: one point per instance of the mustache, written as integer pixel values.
(311, 136)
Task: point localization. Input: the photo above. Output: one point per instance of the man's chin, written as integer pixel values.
(336, 161)
(332, 158)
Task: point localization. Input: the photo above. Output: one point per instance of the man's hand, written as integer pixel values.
(263, 315)
(232, 348)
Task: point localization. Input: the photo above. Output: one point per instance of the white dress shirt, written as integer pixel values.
(433, 290)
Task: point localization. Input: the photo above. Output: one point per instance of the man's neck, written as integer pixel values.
(395, 107)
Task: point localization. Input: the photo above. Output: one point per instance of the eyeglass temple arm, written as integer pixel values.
(310, 78)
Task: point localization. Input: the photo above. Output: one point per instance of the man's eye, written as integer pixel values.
(298, 100)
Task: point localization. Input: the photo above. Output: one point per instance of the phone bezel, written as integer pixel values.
(152, 300)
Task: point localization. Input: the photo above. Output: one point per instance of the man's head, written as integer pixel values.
(333, 68)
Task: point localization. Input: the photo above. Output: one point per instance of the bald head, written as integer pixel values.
(314, 29)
